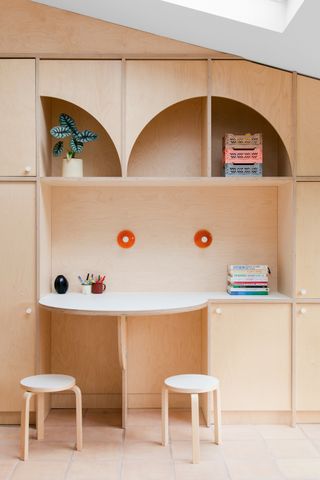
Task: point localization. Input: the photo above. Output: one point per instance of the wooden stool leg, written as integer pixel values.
(40, 416)
(77, 392)
(195, 428)
(217, 416)
(165, 416)
(209, 408)
(24, 433)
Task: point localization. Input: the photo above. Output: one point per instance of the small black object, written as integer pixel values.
(61, 284)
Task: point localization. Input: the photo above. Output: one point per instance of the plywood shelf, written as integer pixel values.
(166, 182)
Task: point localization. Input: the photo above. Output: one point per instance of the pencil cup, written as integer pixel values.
(98, 287)
(86, 289)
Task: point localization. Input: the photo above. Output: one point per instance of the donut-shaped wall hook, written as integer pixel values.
(203, 238)
(126, 239)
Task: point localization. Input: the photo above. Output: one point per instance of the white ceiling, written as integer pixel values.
(294, 49)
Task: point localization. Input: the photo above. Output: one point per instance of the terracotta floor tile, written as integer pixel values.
(146, 470)
(279, 431)
(311, 430)
(9, 451)
(214, 470)
(148, 416)
(182, 451)
(240, 432)
(246, 449)
(47, 450)
(100, 451)
(300, 469)
(102, 418)
(82, 470)
(294, 448)
(184, 432)
(62, 416)
(143, 433)
(40, 471)
(11, 432)
(7, 467)
(253, 469)
(146, 450)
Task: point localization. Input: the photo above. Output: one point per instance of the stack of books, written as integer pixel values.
(248, 280)
(242, 155)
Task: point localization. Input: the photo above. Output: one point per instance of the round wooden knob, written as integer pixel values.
(303, 291)
(218, 311)
(303, 310)
(27, 169)
(29, 311)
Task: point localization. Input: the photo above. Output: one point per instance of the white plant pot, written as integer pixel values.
(72, 167)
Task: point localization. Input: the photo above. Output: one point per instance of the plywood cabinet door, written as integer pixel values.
(308, 240)
(17, 286)
(308, 138)
(251, 354)
(17, 119)
(308, 357)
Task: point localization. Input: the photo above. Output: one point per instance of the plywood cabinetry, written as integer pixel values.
(308, 239)
(308, 357)
(17, 120)
(17, 285)
(308, 138)
(251, 354)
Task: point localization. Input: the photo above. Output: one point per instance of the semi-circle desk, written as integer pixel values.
(122, 305)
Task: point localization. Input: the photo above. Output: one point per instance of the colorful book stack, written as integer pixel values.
(248, 280)
(242, 155)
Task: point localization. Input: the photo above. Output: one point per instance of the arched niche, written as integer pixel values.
(230, 116)
(172, 143)
(100, 157)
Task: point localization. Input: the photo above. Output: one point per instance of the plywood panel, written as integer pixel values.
(17, 120)
(251, 354)
(266, 90)
(170, 145)
(86, 347)
(308, 140)
(86, 222)
(308, 357)
(308, 239)
(17, 284)
(94, 85)
(285, 239)
(153, 86)
(229, 116)
(24, 26)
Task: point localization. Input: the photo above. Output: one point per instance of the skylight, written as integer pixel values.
(270, 14)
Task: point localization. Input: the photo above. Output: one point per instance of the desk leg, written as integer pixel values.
(122, 349)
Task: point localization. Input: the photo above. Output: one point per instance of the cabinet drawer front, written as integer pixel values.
(251, 354)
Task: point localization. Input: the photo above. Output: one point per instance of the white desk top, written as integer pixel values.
(144, 303)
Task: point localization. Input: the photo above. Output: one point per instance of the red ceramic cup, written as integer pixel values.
(98, 288)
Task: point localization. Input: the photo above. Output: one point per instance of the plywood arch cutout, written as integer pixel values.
(100, 157)
(171, 144)
(93, 85)
(230, 116)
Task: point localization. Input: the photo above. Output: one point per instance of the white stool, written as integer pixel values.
(39, 385)
(192, 384)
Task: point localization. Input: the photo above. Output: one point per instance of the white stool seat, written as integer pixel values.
(192, 383)
(48, 383)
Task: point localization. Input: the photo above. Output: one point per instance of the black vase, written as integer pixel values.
(61, 284)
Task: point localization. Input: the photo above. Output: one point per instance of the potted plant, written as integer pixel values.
(71, 166)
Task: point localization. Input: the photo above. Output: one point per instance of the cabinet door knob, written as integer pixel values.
(27, 169)
(218, 311)
(28, 311)
(303, 310)
(303, 291)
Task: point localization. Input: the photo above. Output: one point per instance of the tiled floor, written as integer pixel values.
(248, 452)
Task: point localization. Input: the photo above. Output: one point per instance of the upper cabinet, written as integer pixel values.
(89, 90)
(17, 120)
(308, 138)
(247, 97)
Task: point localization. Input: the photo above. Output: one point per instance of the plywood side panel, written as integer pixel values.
(86, 348)
(94, 85)
(86, 223)
(153, 86)
(266, 90)
(308, 357)
(17, 120)
(308, 139)
(171, 144)
(24, 27)
(45, 240)
(17, 284)
(285, 239)
(308, 240)
(252, 356)
(161, 346)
